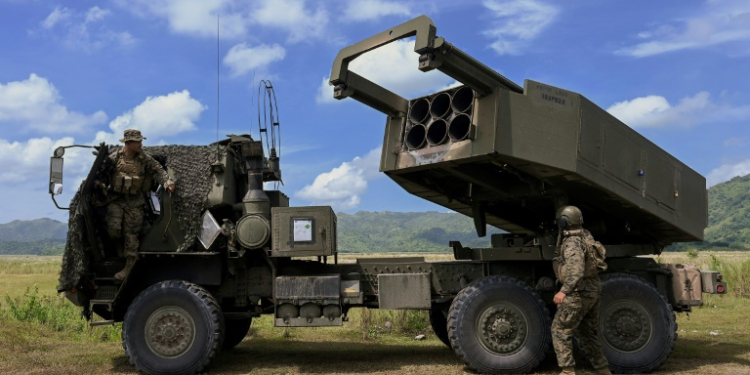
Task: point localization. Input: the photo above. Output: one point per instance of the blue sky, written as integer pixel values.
(83, 71)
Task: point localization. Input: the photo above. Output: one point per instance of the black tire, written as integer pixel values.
(636, 324)
(439, 323)
(499, 325)
(173, 327)
(235, 330)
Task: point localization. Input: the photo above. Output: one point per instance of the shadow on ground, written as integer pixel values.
(265, 356)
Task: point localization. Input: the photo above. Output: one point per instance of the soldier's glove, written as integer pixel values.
(100, 185)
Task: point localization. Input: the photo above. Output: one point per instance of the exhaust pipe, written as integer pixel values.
(460, 128)
(462, 100)
(415, 137)
(437, 132)
(420, 111)
(441, 105)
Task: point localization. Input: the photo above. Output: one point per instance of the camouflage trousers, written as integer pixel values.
(577, 315)
(124, 221)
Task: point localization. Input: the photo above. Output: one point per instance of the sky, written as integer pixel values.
(81, 72)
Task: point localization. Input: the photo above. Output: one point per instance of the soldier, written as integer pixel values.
(577, 266)
(130, 176)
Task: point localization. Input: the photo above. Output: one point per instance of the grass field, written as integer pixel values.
(41, 333)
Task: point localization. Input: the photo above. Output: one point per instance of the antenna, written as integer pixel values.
(218, 66)
(268, 114)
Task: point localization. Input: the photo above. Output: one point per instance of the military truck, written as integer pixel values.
(223, 250)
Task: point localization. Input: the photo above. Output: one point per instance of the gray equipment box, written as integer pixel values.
(303, 231)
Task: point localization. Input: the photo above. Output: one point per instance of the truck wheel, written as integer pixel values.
(499, 325)
(439, 323)
(236, 330)
(636, 324)
(173, 327)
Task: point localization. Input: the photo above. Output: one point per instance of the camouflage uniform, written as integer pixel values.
(580, 308)
(124, 215)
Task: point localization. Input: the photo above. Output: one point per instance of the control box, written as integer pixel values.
(303, 231)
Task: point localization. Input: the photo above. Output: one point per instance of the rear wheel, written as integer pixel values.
(499, 325)
(173, 327)
(439, 323)
(636, 324)
(235, 332)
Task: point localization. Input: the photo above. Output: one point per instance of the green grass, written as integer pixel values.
(41, 332)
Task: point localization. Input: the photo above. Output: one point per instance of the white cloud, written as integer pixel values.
(159, 116)
(517, 22)
(58, 15)
(30, 160)
(367, 10)
(395, 67)
(34, 104)
(342, 187)
(718, 23)
(83, 30)
(96, 14)
(242, 58)
(192, 17)
(655, 111)
(292, 16)
(198, 17)
(728, 171)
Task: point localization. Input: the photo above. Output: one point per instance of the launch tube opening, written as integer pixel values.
(419, 111)
(437, 132)
(441, 105)
(460, 128)
(462, 99)
(415, 137)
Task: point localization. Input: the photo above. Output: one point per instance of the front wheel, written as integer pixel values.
(636, 324)
(439, 323)
(235, 332)
(499, 325)
(173, 327)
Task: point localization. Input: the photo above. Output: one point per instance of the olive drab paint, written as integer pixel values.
(525, 149)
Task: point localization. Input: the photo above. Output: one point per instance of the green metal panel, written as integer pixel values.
(404, 291)
(303, 231)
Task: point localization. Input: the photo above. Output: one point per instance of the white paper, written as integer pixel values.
(302, 230)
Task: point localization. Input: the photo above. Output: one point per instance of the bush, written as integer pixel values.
(55, 313)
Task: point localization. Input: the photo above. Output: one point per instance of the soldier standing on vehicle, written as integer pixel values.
(577, 264)
(130, 176)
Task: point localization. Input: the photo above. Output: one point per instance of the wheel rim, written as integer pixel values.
(626, 326)
(170, 332)
(502, 328)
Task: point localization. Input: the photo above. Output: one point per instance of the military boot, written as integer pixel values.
(603, 371)
(568, 371)
(129, 262)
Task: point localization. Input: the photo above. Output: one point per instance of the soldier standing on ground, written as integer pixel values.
(131, 174)
(578, 299)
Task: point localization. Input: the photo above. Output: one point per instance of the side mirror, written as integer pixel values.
(55, 175)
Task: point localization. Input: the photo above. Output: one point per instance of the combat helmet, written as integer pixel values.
(569, 217)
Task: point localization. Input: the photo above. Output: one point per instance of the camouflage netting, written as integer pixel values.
(191, 170)
(75, 261)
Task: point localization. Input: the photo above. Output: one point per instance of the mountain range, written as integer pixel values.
(385, 231)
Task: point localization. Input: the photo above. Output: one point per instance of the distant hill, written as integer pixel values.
(36, 247)
(729, 214)
(33, 237)
(387, 231)
(31, 230)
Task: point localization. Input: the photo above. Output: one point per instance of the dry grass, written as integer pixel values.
(363, 345)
